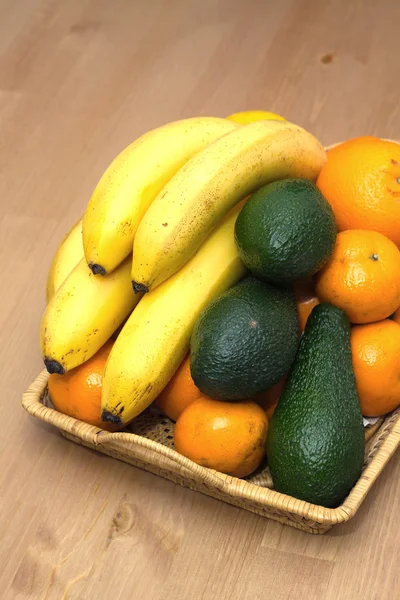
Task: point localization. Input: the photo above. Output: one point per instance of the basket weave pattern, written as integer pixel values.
(148, 444)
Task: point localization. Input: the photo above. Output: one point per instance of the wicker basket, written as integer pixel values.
(148, 444)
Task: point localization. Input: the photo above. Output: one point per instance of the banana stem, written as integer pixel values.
(139, 287)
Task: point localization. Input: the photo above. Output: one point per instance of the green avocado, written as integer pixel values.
(244, 341)
(315, 443)
(285, 231)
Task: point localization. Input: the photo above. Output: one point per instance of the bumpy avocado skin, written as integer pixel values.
(315, 442)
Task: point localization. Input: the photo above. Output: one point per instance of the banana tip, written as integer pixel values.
(53, 366)
(97, 269)
(109, 417)
(139, 287)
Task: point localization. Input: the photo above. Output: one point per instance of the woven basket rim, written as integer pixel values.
(32, 402)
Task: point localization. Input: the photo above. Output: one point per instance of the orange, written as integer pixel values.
(77, 393)
(269, 400)
(179, 392)
(376, 361)
(362, 276)
(361, 181)
(227, 436)
(306, 299)
(396, 316)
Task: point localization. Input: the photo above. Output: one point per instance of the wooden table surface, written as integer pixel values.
(79, 80)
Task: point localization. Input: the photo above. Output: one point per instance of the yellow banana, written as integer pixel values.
(83, 314)
(155, 339)
(134, 179)
(189, 206)
(68, 254)
(249, 116)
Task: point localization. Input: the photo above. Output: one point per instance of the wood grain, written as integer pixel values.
(78, 81)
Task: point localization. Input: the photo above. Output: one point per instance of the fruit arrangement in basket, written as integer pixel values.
(247, 283)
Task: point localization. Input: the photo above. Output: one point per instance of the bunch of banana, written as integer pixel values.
(85, 310)
(172, 197)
